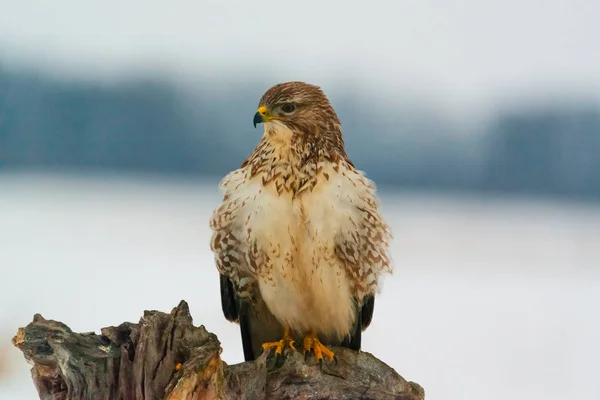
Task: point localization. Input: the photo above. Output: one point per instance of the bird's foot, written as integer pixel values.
(280, 344)
(312, 343)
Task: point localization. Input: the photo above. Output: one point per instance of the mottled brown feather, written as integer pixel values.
(298, 154)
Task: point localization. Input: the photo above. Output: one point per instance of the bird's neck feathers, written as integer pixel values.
(292, 160)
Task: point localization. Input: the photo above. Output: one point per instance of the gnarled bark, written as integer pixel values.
(165, 356)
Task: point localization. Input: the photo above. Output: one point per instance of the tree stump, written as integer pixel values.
(165, 356)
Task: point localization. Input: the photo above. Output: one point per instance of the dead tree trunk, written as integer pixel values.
(165, 356)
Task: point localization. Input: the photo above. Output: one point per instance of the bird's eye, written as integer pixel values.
(288, 108)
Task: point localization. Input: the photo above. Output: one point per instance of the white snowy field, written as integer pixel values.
(491, 298)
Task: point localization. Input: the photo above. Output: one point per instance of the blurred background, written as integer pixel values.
(479, 121)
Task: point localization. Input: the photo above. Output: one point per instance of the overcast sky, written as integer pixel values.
(461, 51)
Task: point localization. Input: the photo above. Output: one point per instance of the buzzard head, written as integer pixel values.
(300, 113)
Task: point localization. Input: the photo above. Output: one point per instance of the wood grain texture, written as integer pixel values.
(141, 361)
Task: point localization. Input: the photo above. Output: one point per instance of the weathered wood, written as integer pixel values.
(165, 356)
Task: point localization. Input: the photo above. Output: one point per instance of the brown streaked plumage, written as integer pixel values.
(298, 239)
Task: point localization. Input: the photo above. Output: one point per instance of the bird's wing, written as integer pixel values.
(230, 255)
(362, 247)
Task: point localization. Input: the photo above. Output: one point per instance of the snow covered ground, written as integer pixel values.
(491, 298)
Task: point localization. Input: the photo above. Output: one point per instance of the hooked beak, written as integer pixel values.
(258, 119)
(262, 115)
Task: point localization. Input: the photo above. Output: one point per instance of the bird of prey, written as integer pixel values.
(298, 239)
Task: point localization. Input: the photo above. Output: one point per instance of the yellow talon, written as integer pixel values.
(312, 342)
(280, 345)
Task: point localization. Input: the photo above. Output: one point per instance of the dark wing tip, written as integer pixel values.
(236, 311)
(366, 313)
(228, 302)
(245, 331)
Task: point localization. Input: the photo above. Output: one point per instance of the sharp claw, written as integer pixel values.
(335, 359)
(313, 345)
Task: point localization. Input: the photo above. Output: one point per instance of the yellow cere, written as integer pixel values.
(262, 110)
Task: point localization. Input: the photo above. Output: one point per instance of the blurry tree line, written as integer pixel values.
(206, 129)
